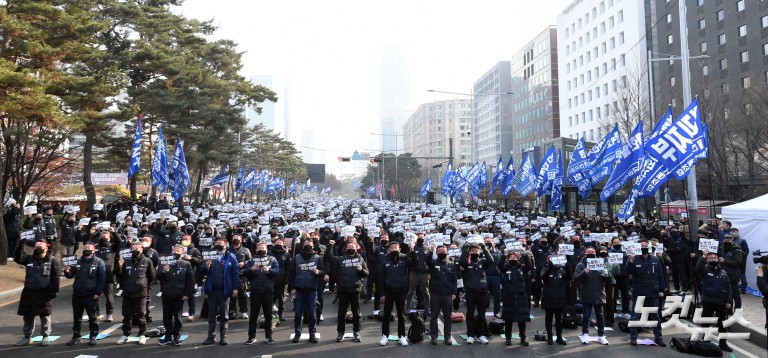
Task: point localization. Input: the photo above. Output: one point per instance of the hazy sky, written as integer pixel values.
(330, 51)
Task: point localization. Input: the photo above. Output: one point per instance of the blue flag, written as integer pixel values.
(307, 186)
(180, 172)
(427, 187)
(220, 178)
(133, 167)
(249, 181)
(677, 148)
(239, 180)
(630, 163)
(525, 180)
(483, 176)
(557, 183)
(446, 188)
(625, 212)
(292, 188)
(473, 175)
(661, 126)
(509, 174)
(705, 153)
(544, 179)
(498, 176)
(356, 183)
(578, 161)
(160, 163)
(611, 152)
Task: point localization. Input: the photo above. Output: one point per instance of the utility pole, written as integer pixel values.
(693, 197)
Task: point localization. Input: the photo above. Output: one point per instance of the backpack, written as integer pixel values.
(702, 348)
(262, 322)
(496, 327)
(570, 320)
(417, 329)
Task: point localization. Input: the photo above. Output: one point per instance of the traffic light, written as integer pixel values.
(375, 160)
(343, 159)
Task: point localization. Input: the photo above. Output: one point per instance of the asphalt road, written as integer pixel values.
(10, 332)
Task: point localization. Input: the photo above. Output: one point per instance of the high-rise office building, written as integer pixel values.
(430, 131)
(394, 97)
(491, 133)
(274, 116)
(602, 62)
(535, 103)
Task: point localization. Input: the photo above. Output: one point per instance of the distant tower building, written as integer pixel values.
(394, 97)
(274, 116)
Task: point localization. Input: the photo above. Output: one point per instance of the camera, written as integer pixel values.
(760, 257)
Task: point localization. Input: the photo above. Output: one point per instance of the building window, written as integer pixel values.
(747, 109)
(621, 38)
(621, 16)
(723, 63)
(703, 46)
(672, 81)
(742, 30)
(670, 39)
(700, 2)
(669, 18)
(705, 70)
(765, 49)
(744, 56)
(720, 15)
(740, 5)
(724, 88)
(764, 21)
(745, 82)
(721, 39)
(702, 24)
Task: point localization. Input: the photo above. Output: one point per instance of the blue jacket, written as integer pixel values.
(231, 275)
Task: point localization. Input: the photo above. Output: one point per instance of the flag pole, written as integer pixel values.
(693, 205)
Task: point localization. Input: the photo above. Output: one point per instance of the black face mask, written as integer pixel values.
(384, 243)
(39, 252)
(219, 247)
(474, 256)
(617, 247)
(591, 256)
(278, 248)
(603, 254)
(143, 232)
(394, 253)
(489, 245)
(208, 234)
(543, 243)
(261, 253)
(306, 249)
(37, 220)
(235, 242)
(727, 245)
(420, 242)
(135, 254)
(512, 262)
(176, 256)
(713, 263)
(351, 252)
(441, 256)
(577, 243)
(644, 251)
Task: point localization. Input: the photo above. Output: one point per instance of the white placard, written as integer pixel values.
(210, 255)
(566, 249)
(69, 260)
(167, 259)
(615, 258)
(138, 217)
(193, 218)
(631, 248)
(165, 213)
(596, 264)
(125, 254)
(551, 220)
(536, 236)
(29, 210)
(603, 236)
(84, 221)
(98, 206)
(659, 248)
(72, 209)
(28, 235)
(205, 241)
(558, 260)
(709, 245)
(105, 225)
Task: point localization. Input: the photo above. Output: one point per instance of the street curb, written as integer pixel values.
(14, 294)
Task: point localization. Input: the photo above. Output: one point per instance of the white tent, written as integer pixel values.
(751, 218)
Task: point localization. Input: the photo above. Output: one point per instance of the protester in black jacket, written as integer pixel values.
(349, 269)
(394, 283)
(443, 277)
(195, 258)
(107, 251)
(41, 285)
(89, 274)
(474, 270)
(177, 282)
(554, 296)
(260, 271)
(716, 294)
(134, 275)
(515, 273)
(68, 243)
(283, 259)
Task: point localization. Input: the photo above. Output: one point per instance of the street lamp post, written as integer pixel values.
(382, 157)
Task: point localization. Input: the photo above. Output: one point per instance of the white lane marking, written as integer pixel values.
(750, 355)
